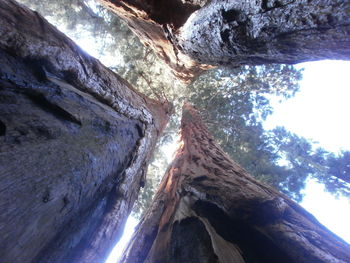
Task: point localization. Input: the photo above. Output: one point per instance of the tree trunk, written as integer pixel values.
(189, 35)
(75, 140)
(153, 22)
(208, 209)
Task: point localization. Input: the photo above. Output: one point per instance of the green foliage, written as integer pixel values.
(154, 174)
(115, 45)
(303, 160)
(337, 178)
(118, 48)
(234, 103)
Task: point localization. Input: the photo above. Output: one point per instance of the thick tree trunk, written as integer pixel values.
(188, 35)
(75, 140)
(153, 22)
(208, 209)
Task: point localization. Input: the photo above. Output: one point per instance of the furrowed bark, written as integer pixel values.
(75, 140)
(154, 22)
(209, 209)
(235, 33)
(268, 31)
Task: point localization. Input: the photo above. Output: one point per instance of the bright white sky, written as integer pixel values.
(331, 212)
(118, 249)
(318, 112)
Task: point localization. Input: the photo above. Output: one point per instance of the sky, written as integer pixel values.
(118, 249)
(319, 111)
(334, 213)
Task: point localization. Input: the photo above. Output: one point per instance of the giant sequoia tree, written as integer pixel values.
(190, 34)
(75, 140)
(209, 209)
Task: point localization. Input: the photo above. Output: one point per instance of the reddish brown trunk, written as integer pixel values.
(154, 23)
(208, 209)
(75, 140)
(190, 35)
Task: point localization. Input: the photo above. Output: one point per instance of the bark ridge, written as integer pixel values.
(209, 209)
(75, 140)
(191, 35)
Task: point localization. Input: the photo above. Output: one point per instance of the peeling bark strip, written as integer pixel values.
(191, 34)
(208, 209)
(75, 140)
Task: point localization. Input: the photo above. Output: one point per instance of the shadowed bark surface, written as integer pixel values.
(189, 35)
(75, 140)
(155, 22)
(208, 209)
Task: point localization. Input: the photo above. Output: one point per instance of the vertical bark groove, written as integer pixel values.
(75, 140)
(246, 221)
(155, 23)
(261, 32)
(235, 33)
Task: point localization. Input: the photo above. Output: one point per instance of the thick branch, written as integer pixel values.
(233, 33)
(267, 31)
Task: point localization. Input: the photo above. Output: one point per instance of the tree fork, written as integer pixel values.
(209, 209)
(190, 35)
(154, 22)
(75, 141)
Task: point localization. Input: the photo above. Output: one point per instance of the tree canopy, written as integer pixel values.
(234, 103)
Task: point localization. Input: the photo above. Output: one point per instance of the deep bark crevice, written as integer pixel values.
(162, 11)
(255, 247)
(155, 23)
(190, 242)
(251, 33)
(2, 128)
(247, 221)
(42, 102)
(75, 146)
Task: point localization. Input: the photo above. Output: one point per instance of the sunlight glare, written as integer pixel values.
(334, 213)
(129, 229)
(319, 111)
